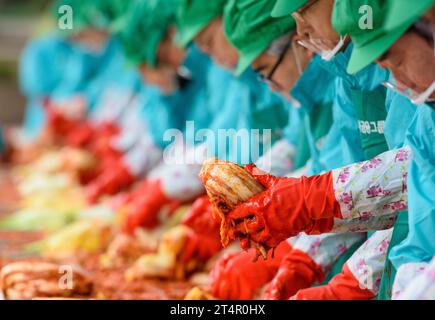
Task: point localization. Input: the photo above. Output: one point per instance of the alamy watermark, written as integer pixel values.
(366, 20)
(66, 18)
(66, 280)
(194, 146)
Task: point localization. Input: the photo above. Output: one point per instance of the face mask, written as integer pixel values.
(427, 31)
(316, 46)
(183, 77)
(415, 97)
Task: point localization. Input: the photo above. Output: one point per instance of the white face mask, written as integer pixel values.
(317, 46)
(415, 97)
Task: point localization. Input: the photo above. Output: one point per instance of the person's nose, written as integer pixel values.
(303, 30)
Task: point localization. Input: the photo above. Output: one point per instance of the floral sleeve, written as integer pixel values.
(364, 224)
(367, 263)
(326, 249)
(142, 157)
(415, 281)
(179, 174)
(373, 188)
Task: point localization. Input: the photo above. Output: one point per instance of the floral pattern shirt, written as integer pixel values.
(179, 170)
(326, 249)
(142, 157)
(367, 263)
(373, 189)
(415, 281)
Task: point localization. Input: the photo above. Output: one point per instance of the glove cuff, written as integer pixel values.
(304, 267)
(343, 286)
(320, 204)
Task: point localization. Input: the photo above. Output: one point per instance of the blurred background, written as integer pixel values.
(19, 21)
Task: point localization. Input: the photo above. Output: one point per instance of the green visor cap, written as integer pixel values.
(194, 15)
(148, 23)
(406, 12)
(286, 7)
(363, 21)
(250, 28)
(108, 14)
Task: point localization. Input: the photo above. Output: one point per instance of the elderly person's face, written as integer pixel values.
(212, 40)
(162, 77)
(169, 59)
(411, 60)
(169, 55)
(313, 22)
(281, 70)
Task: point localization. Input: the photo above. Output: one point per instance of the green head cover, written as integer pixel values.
(148, 23)
(406, 12)
(99, 14)
(363, 21)
(251, 29)
(284, 8)
(194, 15)
(108, 15)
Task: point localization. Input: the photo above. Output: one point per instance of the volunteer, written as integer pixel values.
(118, 132)
(249, 103)
(408, 23)
(348, 276)
(79, 55)
(368, 45)
(302, 267)
(179, 181)
(339, 63)
(179, 84)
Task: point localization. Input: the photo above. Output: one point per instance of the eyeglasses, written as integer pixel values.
(299, 14)
(415, 97)
(426, 30)
(268, 79)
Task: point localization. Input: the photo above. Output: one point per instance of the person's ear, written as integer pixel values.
(171, 33)
(430, 15)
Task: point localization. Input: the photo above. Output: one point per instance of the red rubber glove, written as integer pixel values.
(108, 129)
(237, 277)
(297, 271)
(57, 122)
(145, 209)
(204, 241)
(112, 180)
(343, 286)
(287, 207)
(102, 144)
(81, 135)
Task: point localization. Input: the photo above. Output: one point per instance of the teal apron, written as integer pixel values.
(303, 153)
(371, 113)
(400, 232)
(315, 126)
(371, 125)
(273, 117)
